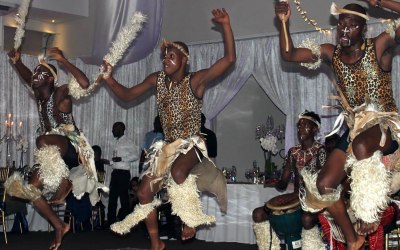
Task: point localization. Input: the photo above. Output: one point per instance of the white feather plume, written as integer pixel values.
(124, 39)
(20, 19)
(334, 9)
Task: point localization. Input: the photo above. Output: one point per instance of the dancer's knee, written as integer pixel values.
(144, 195)
(259, 215)
(41, 141)
(178, 175)
(308, 221)
(323, 185)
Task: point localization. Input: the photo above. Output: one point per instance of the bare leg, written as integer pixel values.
(259, 215)
(60, 227)
(364, 145)
(146, 196)
(330, 177)
(62, 192)
(180, 171)
(47, 212)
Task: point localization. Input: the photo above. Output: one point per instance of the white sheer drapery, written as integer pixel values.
(291, 88)
(111, 16)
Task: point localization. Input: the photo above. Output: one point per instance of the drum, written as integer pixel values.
(286, 219)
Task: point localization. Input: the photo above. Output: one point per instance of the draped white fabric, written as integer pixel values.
(111, 16)
(291, 88)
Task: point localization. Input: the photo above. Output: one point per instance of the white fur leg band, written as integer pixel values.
(370, 185)
(52, 168)
(263, 236)
(311, 239)
(186, 204)
(310, 198)
(15, 187)
(139, 213)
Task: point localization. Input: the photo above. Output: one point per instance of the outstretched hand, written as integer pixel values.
(106, 70)
(282, 11)
(56, 54)
(14, 55)
(220, 16)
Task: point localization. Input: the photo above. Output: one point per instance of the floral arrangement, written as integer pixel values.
(268, 143)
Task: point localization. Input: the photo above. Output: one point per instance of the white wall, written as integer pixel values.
(235, 129)
(75, 7)
(190, 20)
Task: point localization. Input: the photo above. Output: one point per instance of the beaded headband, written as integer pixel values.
(336, 10)
(166, 43)
(302, 116)
(42, 61)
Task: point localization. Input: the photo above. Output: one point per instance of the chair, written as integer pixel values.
(96, 209)
(4, 172)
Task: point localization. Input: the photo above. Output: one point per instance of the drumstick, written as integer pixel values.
(282, 16)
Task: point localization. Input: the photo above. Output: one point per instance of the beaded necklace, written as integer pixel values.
(303, 156)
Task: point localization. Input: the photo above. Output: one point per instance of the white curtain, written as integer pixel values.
(291, 88)
(111, 16)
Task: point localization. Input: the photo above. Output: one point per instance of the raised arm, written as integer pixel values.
(124, 93)
(299, 55)
(389, 39)
(57, 54)
(202, 77)
(23, 71)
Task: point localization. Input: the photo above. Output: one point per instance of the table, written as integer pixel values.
(237, 224)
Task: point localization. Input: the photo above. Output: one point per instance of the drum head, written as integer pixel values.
(284, 202)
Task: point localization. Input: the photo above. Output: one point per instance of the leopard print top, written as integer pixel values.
(364, 77)
(50, 117)
(179, 108)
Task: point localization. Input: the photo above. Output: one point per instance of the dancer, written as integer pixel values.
(179, 100)
(61, 146)
(308, 155)
(363, 70)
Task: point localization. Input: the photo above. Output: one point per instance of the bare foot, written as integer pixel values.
(59, 234)
(358, 244)
(364, 228)
(62, 192)
(188, 232)
(159, 246)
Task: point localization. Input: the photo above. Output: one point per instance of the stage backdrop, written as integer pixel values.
(291, 88)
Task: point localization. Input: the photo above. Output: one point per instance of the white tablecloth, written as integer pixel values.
(237, 224)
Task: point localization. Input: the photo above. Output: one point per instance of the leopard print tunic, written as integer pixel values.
(364, 77)
(50, 117)
(179, 108)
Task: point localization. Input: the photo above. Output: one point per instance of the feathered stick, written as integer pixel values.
(20, 19)
(124, 38)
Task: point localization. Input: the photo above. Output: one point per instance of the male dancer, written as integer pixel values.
(363, 70)
(179, 100)
(308, 155)
(61, 145)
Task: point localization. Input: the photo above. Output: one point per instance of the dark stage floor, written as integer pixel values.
(105, 240)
